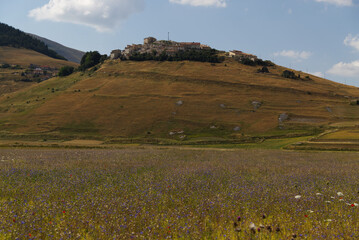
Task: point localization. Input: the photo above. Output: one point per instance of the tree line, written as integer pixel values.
(12, 37)
(89, 60)
(200, 55)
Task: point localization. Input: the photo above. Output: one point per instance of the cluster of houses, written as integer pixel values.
(37, 69)
(240, 54)
(153, 46)
(42, 72)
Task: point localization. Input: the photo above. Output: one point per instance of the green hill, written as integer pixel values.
(12, 37)
(178, 102)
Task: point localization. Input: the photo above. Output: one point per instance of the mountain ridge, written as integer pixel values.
(12, 37)
(70, 54)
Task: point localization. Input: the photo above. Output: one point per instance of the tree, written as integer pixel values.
(90, 59)
(65, 71)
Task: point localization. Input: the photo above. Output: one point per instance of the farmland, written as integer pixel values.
(172, 193)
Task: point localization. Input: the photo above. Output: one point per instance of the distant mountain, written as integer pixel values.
(12, 37)
(70, 54)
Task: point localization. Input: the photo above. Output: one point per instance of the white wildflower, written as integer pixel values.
(319, 194)
(328, 201)
(340, 194)
(310, 211)
(252, 226)
(328, 220)
(298, 196)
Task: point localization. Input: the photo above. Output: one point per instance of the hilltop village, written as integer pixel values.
(154, 47)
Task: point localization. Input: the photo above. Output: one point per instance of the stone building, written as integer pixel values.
(240, 54)
(115, 54)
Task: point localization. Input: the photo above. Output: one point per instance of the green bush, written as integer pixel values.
(263, 70)
(65, 71)
(5, 65)
(289, 74)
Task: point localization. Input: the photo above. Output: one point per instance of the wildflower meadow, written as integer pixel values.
(153, 193)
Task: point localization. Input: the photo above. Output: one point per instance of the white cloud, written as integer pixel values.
(338, 2)
(352, 41)
(345, 69)
(102, 15)
(197, 3)
(294, 54)
(318, 74)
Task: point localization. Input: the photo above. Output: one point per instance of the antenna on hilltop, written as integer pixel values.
(168, 36)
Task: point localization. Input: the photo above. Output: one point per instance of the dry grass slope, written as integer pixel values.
(24, 57)
(138, 100)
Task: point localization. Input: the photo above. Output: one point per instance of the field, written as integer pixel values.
(172, 193)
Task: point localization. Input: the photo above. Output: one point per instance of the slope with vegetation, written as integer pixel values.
(12, 37)
(18, 68)
(70, 54)
(178, 102)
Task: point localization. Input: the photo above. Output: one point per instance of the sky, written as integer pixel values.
(320, 37)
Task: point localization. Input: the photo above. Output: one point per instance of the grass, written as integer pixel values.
(151, 193)
(131, 99)
(24, 57)
(266, 144)
(342, 135)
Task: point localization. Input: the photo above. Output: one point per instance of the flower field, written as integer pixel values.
(153, 193)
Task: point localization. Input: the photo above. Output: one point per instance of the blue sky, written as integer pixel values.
(316, 36)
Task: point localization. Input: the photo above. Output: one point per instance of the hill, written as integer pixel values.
(188, 102)
(20, 74)
(70, 54)
(12, 37)
(25, 57)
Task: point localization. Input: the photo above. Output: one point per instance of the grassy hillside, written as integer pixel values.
(12, 37)
(178, 101)
(12, 80)
(25, 57)
(70, 54)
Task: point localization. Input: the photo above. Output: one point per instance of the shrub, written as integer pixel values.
(289, 74)
(263, 70)
(65, 71)
(5, 65)
(247, 61)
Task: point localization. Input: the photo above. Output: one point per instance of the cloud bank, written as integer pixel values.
(102, 15)
(294, 54)
(352, 41)
(338, 2)
(198, 3)
(345, 69)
